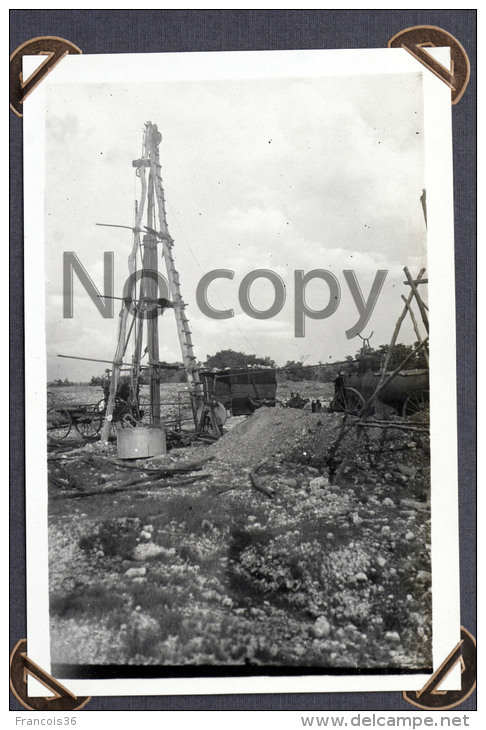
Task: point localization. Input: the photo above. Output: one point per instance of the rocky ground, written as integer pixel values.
(332, 571)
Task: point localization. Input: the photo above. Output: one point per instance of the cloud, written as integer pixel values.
(281, 174)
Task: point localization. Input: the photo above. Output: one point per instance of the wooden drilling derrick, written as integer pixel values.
(183, 329)
(146, 306)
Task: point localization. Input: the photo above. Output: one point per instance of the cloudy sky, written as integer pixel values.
(281, 174)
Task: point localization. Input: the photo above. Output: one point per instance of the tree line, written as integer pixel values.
(294, 370)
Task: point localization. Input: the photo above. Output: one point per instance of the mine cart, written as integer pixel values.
(242, 391)
(87, 419)
(407, 392)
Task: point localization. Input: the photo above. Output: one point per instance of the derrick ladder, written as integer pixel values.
(153, 138)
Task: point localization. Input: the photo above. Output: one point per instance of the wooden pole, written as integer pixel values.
(399, 426)
(117, 363)
(151, 288)
(137, 352)
(415, 326)
(417, 296)
(91, 359)
(397, 330)
(122, 325)
(183, 329)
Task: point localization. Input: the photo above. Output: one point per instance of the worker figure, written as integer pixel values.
(105, 383)
(339, 382)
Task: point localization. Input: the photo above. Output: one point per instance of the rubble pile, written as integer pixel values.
(331, 442)
(329, 568)
(277, 432)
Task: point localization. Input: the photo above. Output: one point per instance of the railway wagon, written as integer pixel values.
(408, 392)
(242, 391)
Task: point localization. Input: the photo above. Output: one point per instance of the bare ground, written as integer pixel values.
(332, 572)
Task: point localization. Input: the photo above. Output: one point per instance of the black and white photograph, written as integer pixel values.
(234, 371)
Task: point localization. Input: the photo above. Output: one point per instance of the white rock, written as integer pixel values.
(136, 572)
(289, 482)
(319, 483)
(299, 649)
(146, 550)
(321, 627)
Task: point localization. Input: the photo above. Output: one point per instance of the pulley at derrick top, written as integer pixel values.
(156, 135)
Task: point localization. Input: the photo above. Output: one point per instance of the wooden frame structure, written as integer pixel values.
(146, 306)
(422, 342)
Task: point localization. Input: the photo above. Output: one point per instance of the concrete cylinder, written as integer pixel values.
(140, 443)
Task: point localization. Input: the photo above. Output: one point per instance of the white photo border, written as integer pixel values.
(440, 247)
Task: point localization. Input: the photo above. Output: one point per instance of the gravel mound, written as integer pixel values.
(277, 432)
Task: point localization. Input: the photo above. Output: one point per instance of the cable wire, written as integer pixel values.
(202, 270)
